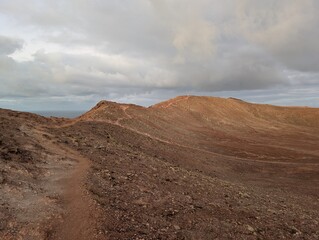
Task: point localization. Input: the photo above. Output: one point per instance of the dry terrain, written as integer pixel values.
(187, 168)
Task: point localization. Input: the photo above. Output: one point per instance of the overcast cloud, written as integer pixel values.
(71, 54)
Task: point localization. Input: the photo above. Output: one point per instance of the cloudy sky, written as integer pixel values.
(69, 54)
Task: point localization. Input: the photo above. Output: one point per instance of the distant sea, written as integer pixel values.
(66, 114)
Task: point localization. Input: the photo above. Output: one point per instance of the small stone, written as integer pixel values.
(250, 228)
(293, 230)
(272, 211)
(176, 227)
(1, 179)
(2, 225)
(244, 195)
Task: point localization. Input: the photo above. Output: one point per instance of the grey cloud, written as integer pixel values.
(9, 45)
(133, 49)
(233, 68)
(190, 33)
(289, 29)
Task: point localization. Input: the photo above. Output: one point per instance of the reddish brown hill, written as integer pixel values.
(238, 112)
(209, 111)
(187, 168)
(228, 126)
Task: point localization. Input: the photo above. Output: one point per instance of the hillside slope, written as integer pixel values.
(228, 126)
(187, 168)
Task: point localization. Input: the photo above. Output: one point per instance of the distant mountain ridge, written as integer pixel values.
(213, 108)
(216, 124)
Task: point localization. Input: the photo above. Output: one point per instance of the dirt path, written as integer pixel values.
(78, 222)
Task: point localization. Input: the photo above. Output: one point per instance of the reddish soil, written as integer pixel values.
(187, 168)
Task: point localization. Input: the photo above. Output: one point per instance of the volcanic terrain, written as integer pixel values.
(187, 168)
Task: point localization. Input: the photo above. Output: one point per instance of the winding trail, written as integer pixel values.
(225, 157)
(236, 158)
(80, 212)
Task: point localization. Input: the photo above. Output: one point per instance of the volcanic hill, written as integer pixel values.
(187, 168)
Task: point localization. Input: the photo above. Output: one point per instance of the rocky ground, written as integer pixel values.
(178, 170)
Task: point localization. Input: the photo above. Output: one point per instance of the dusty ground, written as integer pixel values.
(188, 168)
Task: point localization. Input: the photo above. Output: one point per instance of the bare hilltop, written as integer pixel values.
(187, 168)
